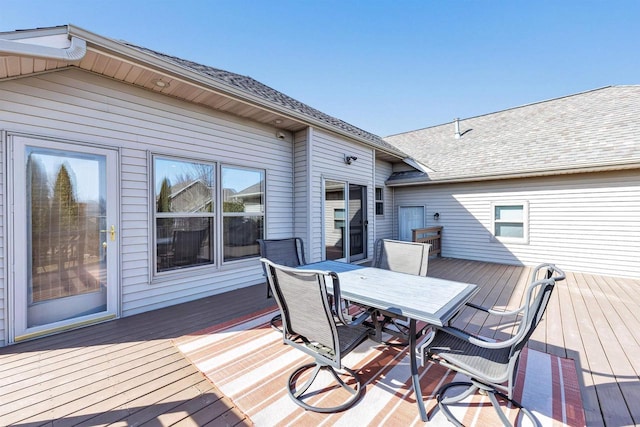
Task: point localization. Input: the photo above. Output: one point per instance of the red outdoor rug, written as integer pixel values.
(248, 362)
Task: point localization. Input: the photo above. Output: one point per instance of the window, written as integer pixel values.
(242, 212)
(184, 214)
(338, 219)
(379, 201)
(188, 201)
(510, 222)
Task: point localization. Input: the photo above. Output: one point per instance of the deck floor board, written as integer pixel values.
(128, 371)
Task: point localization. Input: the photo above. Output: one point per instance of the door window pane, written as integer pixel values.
(334, 214)
(66, 229)
(357, 222)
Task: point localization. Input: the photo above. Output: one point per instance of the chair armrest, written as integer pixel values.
(495, 312)
(472, 339)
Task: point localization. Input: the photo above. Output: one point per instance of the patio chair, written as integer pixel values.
(401, 257)
(288, 252)
(309, 325)
(186, 245)
(492, 366)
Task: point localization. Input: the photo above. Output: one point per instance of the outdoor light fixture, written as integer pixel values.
(436, 216)
(349, 159)
(160, 83)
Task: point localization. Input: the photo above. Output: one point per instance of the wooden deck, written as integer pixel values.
(127, 372)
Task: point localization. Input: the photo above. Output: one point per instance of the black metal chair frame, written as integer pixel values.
(314, 330)
(491, 366)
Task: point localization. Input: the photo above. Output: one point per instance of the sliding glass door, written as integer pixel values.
(345, 221)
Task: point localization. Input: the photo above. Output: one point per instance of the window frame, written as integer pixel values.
(155, 215)
(379, 202)
(217, 214)
(525, 222)
(223, 214)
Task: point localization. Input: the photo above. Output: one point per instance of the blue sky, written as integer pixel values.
(385, 66)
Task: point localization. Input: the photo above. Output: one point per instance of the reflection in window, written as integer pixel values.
(335, 208)
(184, 213)
(338, 219)
(242, 211)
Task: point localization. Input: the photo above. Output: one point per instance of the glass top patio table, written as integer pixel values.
(428, 299)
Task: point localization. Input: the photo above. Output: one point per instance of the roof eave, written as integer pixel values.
(495, 177)
(160, 65)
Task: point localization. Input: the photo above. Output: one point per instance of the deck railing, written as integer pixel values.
(432, 235)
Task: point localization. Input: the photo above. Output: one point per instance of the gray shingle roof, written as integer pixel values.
(254, 87)
(593, 129)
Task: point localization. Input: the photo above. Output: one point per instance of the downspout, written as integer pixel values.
(75, 52)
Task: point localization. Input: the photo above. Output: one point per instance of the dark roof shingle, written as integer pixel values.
(254, 87)
(593, 129)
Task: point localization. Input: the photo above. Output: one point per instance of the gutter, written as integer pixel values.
(496, 177)
(75, 52)
(178, 72)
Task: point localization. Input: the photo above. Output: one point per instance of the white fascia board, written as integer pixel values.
(154, 63)
(417, 165)
(531, 174)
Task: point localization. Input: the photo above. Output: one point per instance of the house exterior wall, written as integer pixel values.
(384, 223)
(3, 243)
(302, 181)
(327, 153)
(80, 107)
(586, 222)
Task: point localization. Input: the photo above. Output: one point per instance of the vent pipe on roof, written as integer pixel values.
(456, 121)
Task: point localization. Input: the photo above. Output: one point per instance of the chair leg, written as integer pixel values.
(274, 322)
(298, 394)
(471, 388)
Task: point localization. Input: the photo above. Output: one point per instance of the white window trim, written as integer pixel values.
(525, 222)
(187, 271)
(376, 201)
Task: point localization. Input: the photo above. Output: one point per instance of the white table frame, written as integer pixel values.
(428, 299)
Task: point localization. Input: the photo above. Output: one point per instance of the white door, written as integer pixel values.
(64, 225)
(409, 217)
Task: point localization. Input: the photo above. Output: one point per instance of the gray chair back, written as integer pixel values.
(402, 257)
(288, 252)
(306, 309)
(308, 324)
(537, 299)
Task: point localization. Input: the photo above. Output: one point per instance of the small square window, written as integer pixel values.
(510, 222)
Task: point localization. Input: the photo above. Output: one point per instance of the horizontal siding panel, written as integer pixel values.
(78, 106)
(3, 238)
(588, 222)
(384, 223)
(328, 153)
